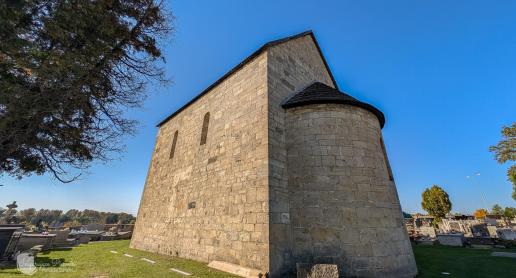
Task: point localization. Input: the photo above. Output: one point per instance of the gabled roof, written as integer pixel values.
(247, 60)
(318, 93)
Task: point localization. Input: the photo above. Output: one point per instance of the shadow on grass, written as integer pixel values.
(46, 252)
(465, 262)
(7, 265)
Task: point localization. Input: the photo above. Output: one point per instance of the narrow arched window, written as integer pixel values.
(389, 170)
(204, 132)
(173, 148)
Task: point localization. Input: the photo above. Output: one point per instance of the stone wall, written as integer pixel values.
(507, 234)
(427, 231)
(451, 239)
(344, 208)
(292, 66)
(273, 187)
(210, 202)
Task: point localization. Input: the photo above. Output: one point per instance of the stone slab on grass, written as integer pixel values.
(147, 260)
(305, 270)
(504, 254)
(451, 239)
(426, 241)
(180, 271)
(239, 270)
(481, 246)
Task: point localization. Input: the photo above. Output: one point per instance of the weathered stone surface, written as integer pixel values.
(272, 187)
(492, 231)
(29, 240)
(291, 67)
(427, 231)
(451, 239)
(353, 218)
(317, 270)
(236, 269)
(210, 202)
(506, 234)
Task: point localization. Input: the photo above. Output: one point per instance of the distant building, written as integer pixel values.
(272, 165)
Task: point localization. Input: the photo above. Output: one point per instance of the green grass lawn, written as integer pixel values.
(462, 262)
(96, 260)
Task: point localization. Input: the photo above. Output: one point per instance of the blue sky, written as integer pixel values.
(443, 72)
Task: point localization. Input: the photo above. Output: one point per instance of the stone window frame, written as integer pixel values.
(174, 143)
(386, 159)
(204, 130)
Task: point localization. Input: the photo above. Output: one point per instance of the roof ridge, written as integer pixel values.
(286, 39)
(247, 60)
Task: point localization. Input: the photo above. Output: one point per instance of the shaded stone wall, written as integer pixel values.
(291, 67)
(210, 202)
(344, 209)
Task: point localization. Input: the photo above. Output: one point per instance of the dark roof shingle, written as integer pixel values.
(318, 93)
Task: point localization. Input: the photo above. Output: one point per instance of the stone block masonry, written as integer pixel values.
(343, 207)
(238, 179)
(209, 202)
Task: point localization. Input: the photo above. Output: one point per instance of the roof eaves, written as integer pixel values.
(379, 115)
(320, 93)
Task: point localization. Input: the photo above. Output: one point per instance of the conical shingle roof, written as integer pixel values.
(318, 93)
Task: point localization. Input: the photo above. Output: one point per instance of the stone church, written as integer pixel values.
(271, 166)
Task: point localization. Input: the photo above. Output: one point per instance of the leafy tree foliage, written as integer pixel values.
(112, 219)
(497, 210)
(436, 202)
(72, 214)
(40, 217)
(480, 213)
(505, 151)
(509, 212)
(68, 71)
(511, 174)
(26, 215)
(125, 218)
(70, 224)
(90, 216)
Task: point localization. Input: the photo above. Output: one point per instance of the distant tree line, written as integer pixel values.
(73, 217)
(508, 212)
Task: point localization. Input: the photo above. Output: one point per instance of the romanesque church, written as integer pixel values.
(273, 165)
